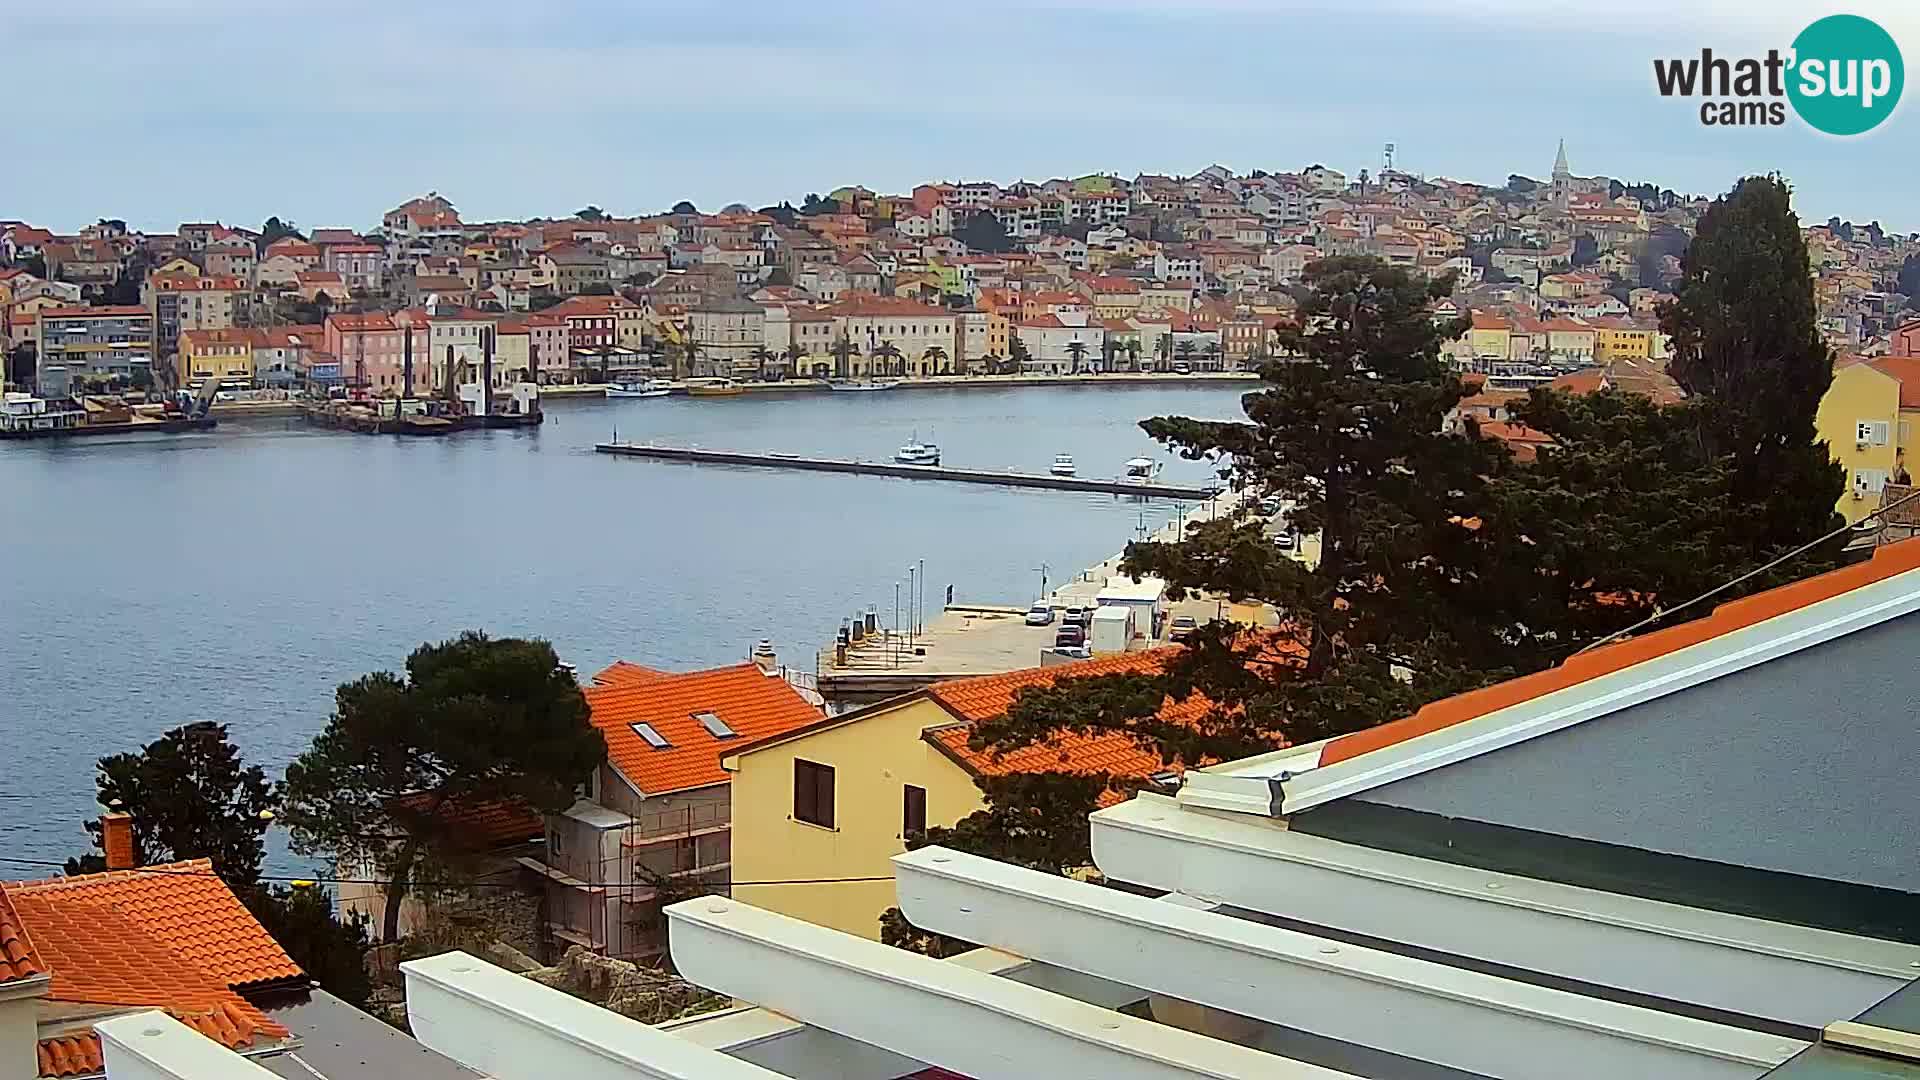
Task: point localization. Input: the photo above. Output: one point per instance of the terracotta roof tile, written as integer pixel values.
(1887, 562)
(627, 673)
(990, 696)
(751, 702)
(1906, 371)
(18, 960)
(100, 955)
(182, 905)
(481, 825)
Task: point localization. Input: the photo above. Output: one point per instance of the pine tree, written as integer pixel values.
(1352, 441)
(1746, 340)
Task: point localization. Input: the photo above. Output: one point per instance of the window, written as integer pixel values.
(650, 736)
(813, 793)
(913, 810)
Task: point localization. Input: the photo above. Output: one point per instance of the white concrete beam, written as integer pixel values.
(510, 1028)
(1413, 1008)
(929, 1010)
(791, 1048)
(155, 1046)
(1789, 974)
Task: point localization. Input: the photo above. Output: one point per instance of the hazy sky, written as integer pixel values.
(159, 111)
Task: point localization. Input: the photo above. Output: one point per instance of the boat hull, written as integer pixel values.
(164, 427)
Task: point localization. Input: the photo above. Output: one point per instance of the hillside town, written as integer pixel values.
(1095, 273)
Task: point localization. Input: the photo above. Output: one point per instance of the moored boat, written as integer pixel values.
(1062, 465)
(915, 452)
(1141, 470)
(860, 387)
(652, 388)
(715, 388)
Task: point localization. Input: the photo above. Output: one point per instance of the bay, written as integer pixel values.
(241, 574)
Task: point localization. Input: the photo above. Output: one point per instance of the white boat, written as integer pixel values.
(916, 452)
(860, 387)
(1142, 470)
(652, 388)
(1062, 465)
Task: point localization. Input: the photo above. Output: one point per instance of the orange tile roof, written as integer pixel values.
(751, 702)
(1906, 371)
(989, 696)
(481, 825)
(18, 960)
(103, 953)
(1887, 561)
(181, 905)
(626, 673)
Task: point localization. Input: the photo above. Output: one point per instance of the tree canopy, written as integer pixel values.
(590, 213)
(1351, 442)
(983, 232)
(190, 797)
(1746, 340)
(474, 720)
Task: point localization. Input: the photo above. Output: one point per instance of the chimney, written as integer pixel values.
(763, 657)
(116, 839)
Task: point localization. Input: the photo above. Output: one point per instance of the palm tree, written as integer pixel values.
(843, 352)
(1212, 353)
(795, 355)
(606, 353)
(1077, 350)
(934, 358)
(1133, 353)
(1109, 347)
(760, 356)
(689, 355)
(1017, 355)
(1165, 348)
(888, 355)
(1185, 351)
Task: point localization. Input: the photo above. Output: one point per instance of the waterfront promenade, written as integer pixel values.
(967, 638)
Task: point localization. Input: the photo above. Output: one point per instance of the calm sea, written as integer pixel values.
(242, 574)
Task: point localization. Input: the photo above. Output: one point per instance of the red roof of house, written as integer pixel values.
(184, 905)
(18, 960)
(1887, 562)
(626, 673)
(974, 700)
(1906, 371)
(754, 704)
(171, 937)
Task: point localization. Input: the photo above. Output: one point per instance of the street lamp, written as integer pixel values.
(923, 596)
(911, 621)
(1043, 568)
(893, 637)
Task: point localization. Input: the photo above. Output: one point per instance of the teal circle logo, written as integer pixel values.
(1846, 75)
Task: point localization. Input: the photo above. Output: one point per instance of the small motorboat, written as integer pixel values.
(860, 387)
(1142, 470)
(916, 452)
(652, 388)
(1062, 465)
(715, 388)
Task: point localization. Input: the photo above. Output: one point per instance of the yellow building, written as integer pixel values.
(1490, 336)
(227, 354)
(1861, 420)
(1618, 339)
(838, 798)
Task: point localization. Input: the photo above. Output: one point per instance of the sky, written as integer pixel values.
(162, 111)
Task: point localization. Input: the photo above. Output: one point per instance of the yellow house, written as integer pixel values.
(1619, 339)
(1490, 336)
(227, 354)
(837, 799)
(1861, 420)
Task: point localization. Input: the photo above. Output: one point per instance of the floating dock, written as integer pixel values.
(1112, 486)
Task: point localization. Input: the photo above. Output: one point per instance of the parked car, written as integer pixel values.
(1078, 652)
(1181, 628)
(1284, 540)
(1077, 616)
(1040, 615)
(1069, 637)
(1183, 369)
